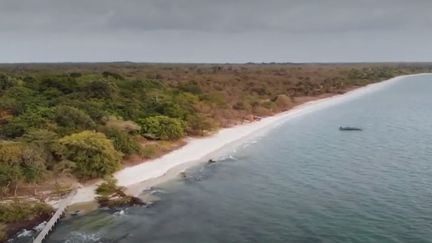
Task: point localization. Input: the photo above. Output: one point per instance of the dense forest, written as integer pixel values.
(64, 123)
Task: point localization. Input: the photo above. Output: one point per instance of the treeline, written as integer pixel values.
(83, 120)
(85, 124)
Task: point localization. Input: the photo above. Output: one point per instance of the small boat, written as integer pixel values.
(211, 161)
(350, 129)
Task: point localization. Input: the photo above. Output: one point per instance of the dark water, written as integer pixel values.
(304, 181)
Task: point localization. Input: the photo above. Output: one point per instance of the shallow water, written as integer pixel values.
(304, 181)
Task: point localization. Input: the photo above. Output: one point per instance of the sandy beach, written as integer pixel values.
(197, 150)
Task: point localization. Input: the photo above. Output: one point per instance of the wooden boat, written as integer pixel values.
(350, 129)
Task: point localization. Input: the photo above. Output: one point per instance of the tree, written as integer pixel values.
(5, 82)
(72, 119)
(43, 140)
(10, 175)
(122, 141)
(198, 124)
(40, 117)
(20, 161)
(33, 165)
(161, 127)
(101, 89)
(92, 152)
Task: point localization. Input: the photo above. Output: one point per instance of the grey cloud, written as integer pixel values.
(220, 16)
(214, 30)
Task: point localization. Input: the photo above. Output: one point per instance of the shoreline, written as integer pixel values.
(197, 150)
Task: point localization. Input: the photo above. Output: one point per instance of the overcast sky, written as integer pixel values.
(215, 30)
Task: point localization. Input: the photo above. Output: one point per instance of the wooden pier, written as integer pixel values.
(48, 227)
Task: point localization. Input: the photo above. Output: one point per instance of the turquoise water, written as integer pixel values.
(304, 181)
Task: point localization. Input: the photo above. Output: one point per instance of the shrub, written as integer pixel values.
(20, 161)
(72, 119)
(5, 82)
(31, 119)
(3, 233)
(283, 101)
(122, 141)
(199, 124)
(108, 187)
(92, 152)
(161, 127)
(119, 124)
(149, 151)
(15, 211)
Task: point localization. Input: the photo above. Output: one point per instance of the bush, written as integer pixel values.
(15, 211)
(31, 119)
(72, 119)
(20, 161)
(92, 152)
(149, 151)
(162, 127)
(5, 82)
(122, 125)
(199, 124)
(283, 101)
(122, 141)
(3, 232)
(108, 187)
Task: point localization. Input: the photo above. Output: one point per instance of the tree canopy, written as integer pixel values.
(161, 127)
(82, 118)
(92, 152)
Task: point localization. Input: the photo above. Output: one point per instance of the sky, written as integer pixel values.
(215, 31)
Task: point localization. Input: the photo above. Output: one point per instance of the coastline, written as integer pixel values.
(197, 150)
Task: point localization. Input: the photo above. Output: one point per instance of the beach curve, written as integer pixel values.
(197, 149)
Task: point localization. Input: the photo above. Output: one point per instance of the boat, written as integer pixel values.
(350, 129)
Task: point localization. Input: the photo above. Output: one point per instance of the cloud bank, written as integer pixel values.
(215, 31)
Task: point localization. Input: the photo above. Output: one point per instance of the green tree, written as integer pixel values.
(198, 124)
(72, 119)
(20, 161)
(161, 127)
(122, 141)
(101, 89)
(33, 164)
(92, 152)
(5, 82)
(10, 176)
(35, 118)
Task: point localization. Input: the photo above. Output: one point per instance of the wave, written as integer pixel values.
(83, 237)
(24, 233)
(228, 157)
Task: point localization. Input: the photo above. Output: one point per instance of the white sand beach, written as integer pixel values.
(197, 149)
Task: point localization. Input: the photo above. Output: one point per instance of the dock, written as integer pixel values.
(54, 219)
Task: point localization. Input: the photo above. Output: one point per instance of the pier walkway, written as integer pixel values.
(48, 227)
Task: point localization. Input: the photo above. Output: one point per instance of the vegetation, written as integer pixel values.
(15, 211)
(161, 127)
(92, 152)
(84, 119)
(108, 187)
(3, 232)
(112, 196)
(15, 214)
